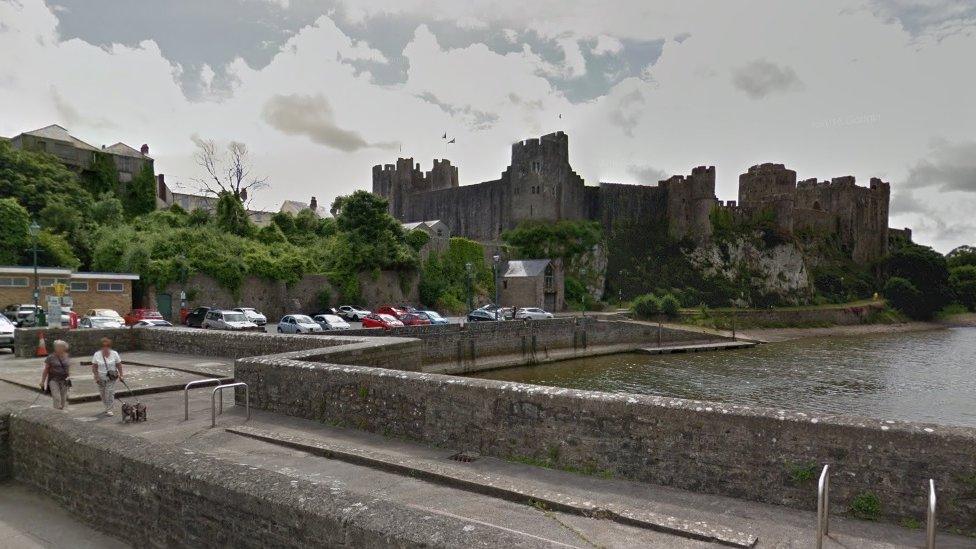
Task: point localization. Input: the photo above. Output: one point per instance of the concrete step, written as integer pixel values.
(697, 347)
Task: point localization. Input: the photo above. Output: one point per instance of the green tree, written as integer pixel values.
(646, 306)
(103, 176)
(140, 193)
(962, 279)
(904, 296)
(16, 237)
(963, 255)
(377, 237)
(231, 215)
(563, 239)
(107, 210)
(926, 271)
(35, 179)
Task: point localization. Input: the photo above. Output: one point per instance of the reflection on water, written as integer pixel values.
(920, 376)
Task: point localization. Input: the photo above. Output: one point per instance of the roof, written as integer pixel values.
(58, 133)
(294, 206)
(59, 271)
(526, 267)
(122, 149)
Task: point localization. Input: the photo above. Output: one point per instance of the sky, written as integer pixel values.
(322, 90)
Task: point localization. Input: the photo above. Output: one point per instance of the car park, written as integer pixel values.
(414, 319)
(6, 333)
(349, 312)
(135, 315)
(152, 323)
(482, 315)
(253, 315)
(532, 313)
(195, 317)
(434, 317)
(331, 322)
(100, 322)
(217, 319)
(386, 322)
(297, 324)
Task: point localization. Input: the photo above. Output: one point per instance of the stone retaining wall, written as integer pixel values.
(753, 453)
(153, 495)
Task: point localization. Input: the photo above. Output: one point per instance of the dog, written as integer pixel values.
(133, 412)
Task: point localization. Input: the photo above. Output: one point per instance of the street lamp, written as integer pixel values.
(34, 230)
(494, 266)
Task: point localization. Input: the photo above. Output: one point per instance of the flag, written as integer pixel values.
(560, 116)
(451, 141)
(444, 136)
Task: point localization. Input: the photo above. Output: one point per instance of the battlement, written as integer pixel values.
(553, 144)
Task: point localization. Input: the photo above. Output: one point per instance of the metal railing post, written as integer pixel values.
(219, 389)
(930, 522)
(823, 505)
(186, 394)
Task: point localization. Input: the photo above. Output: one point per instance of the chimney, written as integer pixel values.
(313, 205)
(144, 149)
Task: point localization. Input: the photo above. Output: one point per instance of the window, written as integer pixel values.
(116, 287)
(548, 278)
(504, 284)
(536, 166)
(79, 286)
(13, 282)
(47, 282)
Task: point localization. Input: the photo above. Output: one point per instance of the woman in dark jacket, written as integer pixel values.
(57, 374)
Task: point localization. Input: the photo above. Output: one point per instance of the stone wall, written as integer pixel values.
(81, 343)
(836, 316)
(154, 495)
(760, 454)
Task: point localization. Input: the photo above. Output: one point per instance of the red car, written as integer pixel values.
(415, 319)
(135, 315)
(395, 312)
(376, 320)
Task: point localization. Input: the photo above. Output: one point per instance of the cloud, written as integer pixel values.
(473, 118)
(646, 174)
(312, 117)
(761, 78)
(939, 18)
(948, 167)
(627, 112)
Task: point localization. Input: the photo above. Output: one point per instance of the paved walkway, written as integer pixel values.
(29, 521)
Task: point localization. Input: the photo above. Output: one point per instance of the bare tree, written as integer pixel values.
(227, 171)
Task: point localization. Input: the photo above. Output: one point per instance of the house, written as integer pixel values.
(435, 228)
(533, 283)
(79, 155)
(86, 290)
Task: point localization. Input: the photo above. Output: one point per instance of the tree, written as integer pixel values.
(228, 172)
(107, 210)
(16, 238)
(377, 239)
(904, 296)
(962, 279)
(231, 216)
(963, 255)
(103, 176)
(35, 179)
(140, 193)
(925, 270)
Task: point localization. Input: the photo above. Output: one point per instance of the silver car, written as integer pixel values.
(297, 324)
(227, 320)
(349, 312)
(6, 333)
(99, 322)
(331, 322)
(253, 315)
(532, 313)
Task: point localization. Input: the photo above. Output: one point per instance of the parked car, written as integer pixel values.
(297, 324)
(25, 315)
(6, 333)
(395, 312)
(503, 312)
(386, 322)
(349, 312)
(105, 313)
(434, 317)
(217, 319)
(331, 322)
(482, 315)
(195, 318)
(253, 315)
(101, 322)
(532, 313)
(414, 319)
(152, 323)
(135, 315)
(10, 312)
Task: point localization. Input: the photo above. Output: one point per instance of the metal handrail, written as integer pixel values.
(930, 522)
(219, 389)
(186, 394)
(823, 505)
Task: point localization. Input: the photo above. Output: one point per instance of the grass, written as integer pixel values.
(801, 473)
(866, 505)
(551, 462)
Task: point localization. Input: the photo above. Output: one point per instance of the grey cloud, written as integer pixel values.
(905, 202)
(69, 115)
(193, 34)
(949, 167)
(646, 174)
(473, 118)
(761, 78)
(312, 116)
(937, 17)
(627, 112)
(681, 37)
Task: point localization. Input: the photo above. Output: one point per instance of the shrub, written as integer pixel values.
(669, 305)
(904, 296)
(962, 280)
(646, 306)
(866, 506)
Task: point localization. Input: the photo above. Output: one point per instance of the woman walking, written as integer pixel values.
(56, 376)
(107, 368)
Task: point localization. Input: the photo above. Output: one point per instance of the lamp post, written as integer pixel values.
(469, 269)
(34, 230)
(494, 266)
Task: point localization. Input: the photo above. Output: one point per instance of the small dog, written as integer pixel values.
(133, 412)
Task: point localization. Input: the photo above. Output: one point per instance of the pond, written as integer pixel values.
(927, 376)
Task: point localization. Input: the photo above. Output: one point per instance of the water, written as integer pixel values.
(925, 376)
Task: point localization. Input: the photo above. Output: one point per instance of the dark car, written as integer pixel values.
(196, 316)
(414, 319)
(481, 315)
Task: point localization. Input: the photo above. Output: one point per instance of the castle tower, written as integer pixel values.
(772, 188)
(690, 200)
(543, 186)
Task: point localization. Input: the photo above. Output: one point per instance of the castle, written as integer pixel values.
(540, 185)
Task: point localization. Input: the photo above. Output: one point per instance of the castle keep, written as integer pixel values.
(540, 185)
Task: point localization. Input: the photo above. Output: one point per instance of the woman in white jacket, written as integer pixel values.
(107, 369)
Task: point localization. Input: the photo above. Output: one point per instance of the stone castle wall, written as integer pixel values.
(540, 185)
